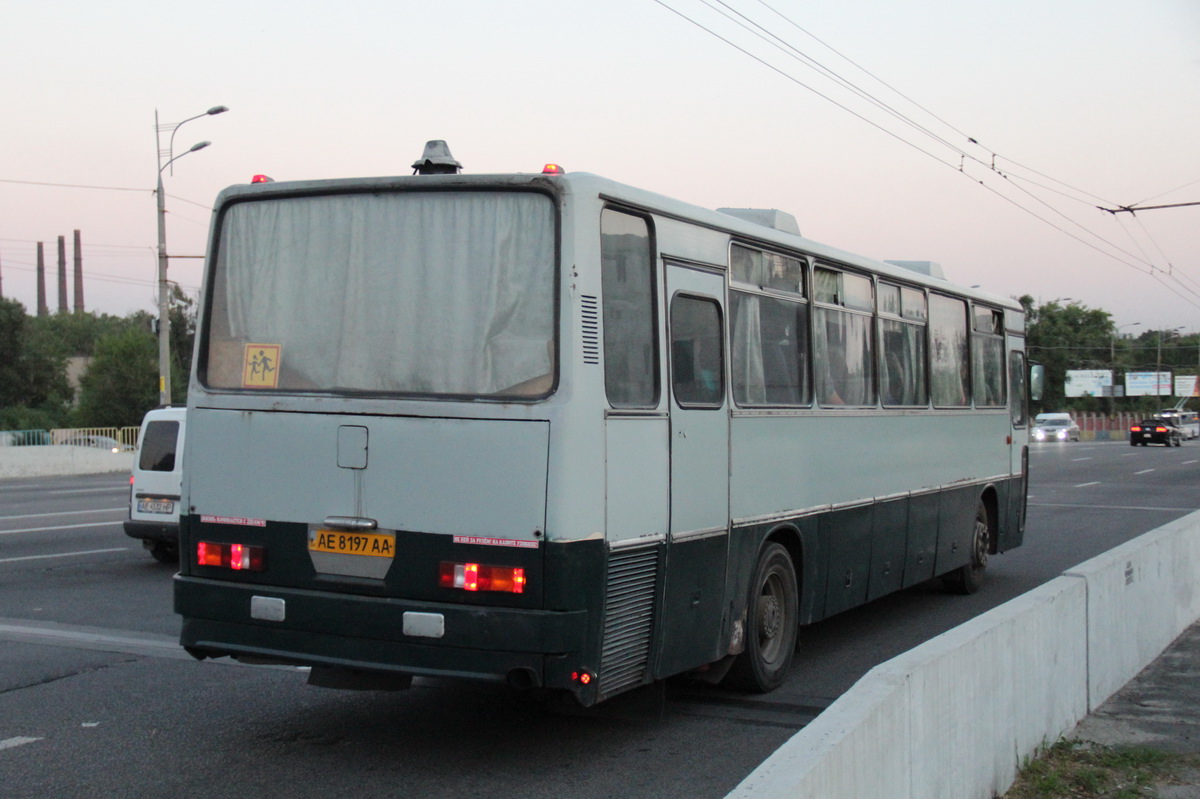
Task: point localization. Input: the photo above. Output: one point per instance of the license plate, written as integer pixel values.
(155, 506)
(337, 542)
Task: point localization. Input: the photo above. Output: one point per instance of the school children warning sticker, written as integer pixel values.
(260, 366)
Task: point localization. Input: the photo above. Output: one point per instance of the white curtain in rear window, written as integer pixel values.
(447, 293)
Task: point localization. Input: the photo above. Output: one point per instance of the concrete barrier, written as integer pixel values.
(1141, 596)
(957, 716)
(56, 460)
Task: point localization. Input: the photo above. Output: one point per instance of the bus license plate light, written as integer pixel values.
(481, 577)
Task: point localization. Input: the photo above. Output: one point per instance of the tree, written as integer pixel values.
(1067, 337)
(183, 336)
(75, 334)
(32, 374)
(122, 382)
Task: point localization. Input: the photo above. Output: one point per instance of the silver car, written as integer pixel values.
(1056, 429)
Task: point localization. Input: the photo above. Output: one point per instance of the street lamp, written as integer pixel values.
(1158, 363)
(1112, 353)
(164, 315)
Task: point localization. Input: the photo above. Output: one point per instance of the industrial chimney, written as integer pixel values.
(78, 275)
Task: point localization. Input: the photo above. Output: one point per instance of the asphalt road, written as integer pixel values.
(97, 699)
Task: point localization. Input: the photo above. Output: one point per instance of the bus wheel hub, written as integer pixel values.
(769, 615)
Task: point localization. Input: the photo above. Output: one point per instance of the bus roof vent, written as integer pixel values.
(768, 217)
(921, 267)
(436, 160)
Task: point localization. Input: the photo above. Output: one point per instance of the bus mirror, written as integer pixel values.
(1037, 381)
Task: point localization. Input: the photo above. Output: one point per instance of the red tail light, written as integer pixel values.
(480, 577)
(238, 557)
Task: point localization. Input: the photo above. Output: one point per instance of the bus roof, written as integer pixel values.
(586, 184)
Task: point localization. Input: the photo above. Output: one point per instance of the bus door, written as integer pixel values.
(694, 598)
(1018, 408)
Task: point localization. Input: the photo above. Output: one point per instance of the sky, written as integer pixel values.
(984, 135)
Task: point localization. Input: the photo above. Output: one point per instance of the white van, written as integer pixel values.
(154, 486)
(1188, 421)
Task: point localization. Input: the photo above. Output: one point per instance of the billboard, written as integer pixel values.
(1187, 386)
(1089, 383)
(1147, 384)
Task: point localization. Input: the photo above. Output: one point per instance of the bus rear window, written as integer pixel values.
(422, 293)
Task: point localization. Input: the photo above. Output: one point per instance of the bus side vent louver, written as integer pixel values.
(628, 618)
(591, 330)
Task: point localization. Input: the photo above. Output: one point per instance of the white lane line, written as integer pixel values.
(44, 491)
(58, 527)
(1144, 471)
(1188, 463)
(1077, 460)
(63, 513)
(66, 554)
(1085, 485)
(9, 743)
(93, 638)
(1108, 507)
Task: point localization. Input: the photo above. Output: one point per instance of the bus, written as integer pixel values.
(551, 430)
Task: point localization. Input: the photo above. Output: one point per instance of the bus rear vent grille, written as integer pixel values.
(591, 330)
(628, 618)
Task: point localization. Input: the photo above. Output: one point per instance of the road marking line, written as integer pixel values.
(9, 743)
(1144, 471)
(58, 527)
(101, 640)
(65, 554)
(1188, 463)
(63, 513)
(1085, 485)
(1107, 507)
(1077, 460)
(24, 490)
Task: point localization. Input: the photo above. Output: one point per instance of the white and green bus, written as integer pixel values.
(553, 430)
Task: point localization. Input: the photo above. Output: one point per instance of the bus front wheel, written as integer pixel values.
(772, 617)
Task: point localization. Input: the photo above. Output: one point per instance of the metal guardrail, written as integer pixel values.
(115, 438)
(24, 438)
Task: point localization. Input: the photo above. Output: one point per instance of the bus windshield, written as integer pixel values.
(444, 293)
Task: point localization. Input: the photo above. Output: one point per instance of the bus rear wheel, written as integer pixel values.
(772, 618)
(968, 579)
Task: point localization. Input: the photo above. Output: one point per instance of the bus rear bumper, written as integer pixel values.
(366, 633)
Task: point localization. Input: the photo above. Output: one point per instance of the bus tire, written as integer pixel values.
(772, 620)
(969, 578)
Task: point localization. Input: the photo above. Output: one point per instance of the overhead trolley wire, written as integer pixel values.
(1143, 265)
(801, 83)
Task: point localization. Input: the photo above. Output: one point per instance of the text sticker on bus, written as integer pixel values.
(260, 366)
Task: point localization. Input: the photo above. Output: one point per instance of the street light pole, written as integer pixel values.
(164, 312)
(1112, 359)
(1112, 355)
(1158, 363)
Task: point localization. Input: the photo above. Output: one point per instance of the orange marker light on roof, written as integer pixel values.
(553, 169)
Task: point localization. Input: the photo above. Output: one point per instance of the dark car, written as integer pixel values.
(1156, 431)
